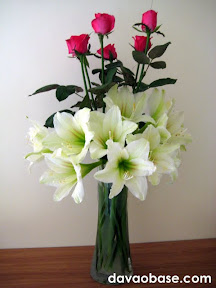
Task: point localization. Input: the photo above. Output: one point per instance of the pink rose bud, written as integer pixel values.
(109, 49)
(103, 23)
(149, 18)
(140, 43)
(78, 43)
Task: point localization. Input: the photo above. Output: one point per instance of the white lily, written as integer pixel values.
(175, 125)
(161, 126)
(72, 134)
(157, 104)
(169, 123)
(132, 106)
(127, 166)
(36, 135)
(162, 155)
(65, 175)
(108, 126)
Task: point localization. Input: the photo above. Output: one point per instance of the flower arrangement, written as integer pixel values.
(133, 136)
(136, 136)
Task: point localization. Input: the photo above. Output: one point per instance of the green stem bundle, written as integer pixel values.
(89, 83)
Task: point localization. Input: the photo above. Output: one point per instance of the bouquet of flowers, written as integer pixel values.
(132, 135)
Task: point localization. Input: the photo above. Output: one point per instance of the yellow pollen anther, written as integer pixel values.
(110, 135)
(134, 106)
(127, 175)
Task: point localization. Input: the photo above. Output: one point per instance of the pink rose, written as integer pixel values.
(140, 43)
(109, 49)
(78, 43)
(149, 18)
(103, 23)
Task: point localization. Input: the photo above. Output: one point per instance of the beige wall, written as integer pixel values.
(33, 53)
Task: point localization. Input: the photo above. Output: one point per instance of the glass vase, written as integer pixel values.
(112, 249)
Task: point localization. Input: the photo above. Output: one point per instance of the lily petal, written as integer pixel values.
(62, 191)
(152, 135)
(155, 178)
(107, 175)
(175, 122)
(157, 104)
(164, 134)
(117, 187)
(138, 187)
(82, 116)
(52, 141)
(97, 151)
(115, 150)
(138, 149)
(66, 127)
(140, 167)
(145, 119)
(127, 128)
(140, 104)
(112, 123)
(78, 193)
(165, 164)
(166, 148)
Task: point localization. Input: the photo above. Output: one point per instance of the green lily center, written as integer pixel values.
(125, 167)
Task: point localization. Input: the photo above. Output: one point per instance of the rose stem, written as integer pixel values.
(142, 74)
(89, 82)
(83, 74)
(101, 36)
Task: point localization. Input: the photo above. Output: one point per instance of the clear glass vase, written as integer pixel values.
(112, 249)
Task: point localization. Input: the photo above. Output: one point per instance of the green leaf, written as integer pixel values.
(147, 29)
(102, 89)
(114, 65)
(46, 88)
(140, 57)
(143, 87)
(77, 88)
(126, 70)
(111, 56)
(162, 82)
(141, 24)
(117, 79)
(128, 76)
(96, 56)
(95, 71)
(158, 32)
(158, 65)
(158, 51)
(49, 121)
(76, 105)
(99, 101)
(138, 24)
(137, 29)
(85, 103)
(95, 84)
(157, 28)
(63, 92)
(110, 74)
